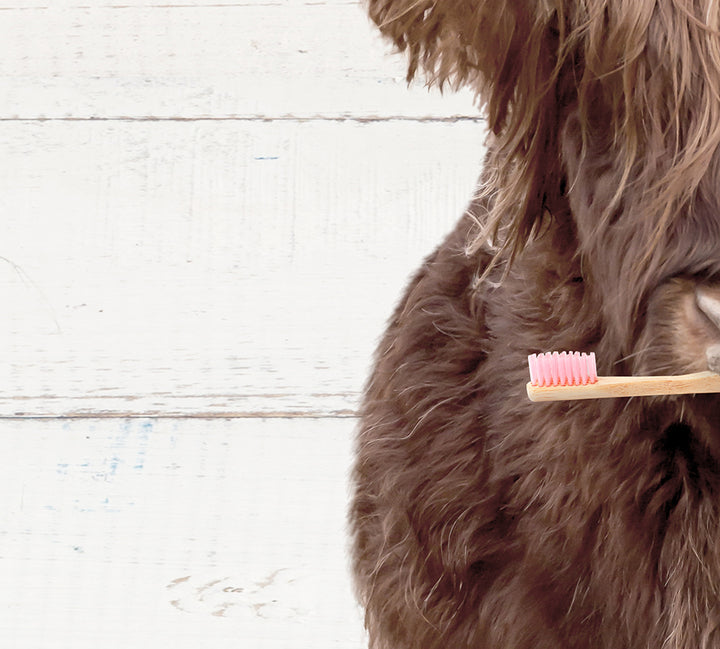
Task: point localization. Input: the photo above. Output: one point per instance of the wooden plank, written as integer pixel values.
(232, 60)
(181, 534)
(212, 268)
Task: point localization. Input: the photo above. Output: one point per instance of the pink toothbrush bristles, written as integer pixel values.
(562, 368)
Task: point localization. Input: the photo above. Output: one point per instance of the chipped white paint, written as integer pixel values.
(175, 533)
(211, 268)
(249, 60)
(209, 210)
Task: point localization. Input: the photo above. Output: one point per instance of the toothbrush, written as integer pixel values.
(571, 375)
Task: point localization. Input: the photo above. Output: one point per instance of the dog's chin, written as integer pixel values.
(690, 422)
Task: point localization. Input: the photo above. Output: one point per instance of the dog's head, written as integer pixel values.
(606, 111)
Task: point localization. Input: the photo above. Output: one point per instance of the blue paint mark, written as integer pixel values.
(114, 463)
(146, 428)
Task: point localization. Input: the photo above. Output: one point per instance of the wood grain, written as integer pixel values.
(175, 533)
(609, 387)
(231, 60)
(209, 210)
(182, 268)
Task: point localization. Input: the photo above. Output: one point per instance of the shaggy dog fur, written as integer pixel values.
(479, 519)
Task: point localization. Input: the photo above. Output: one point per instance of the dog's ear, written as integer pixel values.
(506, 50)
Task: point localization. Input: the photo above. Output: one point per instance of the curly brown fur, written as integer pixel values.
(481, 520)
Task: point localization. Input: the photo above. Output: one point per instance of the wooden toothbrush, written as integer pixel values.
(560, 376)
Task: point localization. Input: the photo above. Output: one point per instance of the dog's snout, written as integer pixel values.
(707, 301)
(683, 331)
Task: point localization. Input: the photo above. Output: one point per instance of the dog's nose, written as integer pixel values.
(708, 303)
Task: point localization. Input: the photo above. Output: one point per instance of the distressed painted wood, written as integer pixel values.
(209, 210)
(248, 60)
(214, 269)
(175, 533)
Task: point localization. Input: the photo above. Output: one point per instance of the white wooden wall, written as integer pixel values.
(207, 211)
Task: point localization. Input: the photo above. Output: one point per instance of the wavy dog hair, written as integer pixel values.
(480, 520)
(642, 76)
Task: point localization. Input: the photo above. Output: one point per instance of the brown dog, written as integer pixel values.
(481, 520)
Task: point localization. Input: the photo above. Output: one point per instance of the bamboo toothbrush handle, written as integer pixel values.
(628, 386)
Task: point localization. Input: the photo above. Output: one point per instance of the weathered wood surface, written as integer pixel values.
(213, 269)
(175, 533)
(209, 210)
(253, 60)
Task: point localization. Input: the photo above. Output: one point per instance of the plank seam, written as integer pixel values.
(260, 118)
(190, 416)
